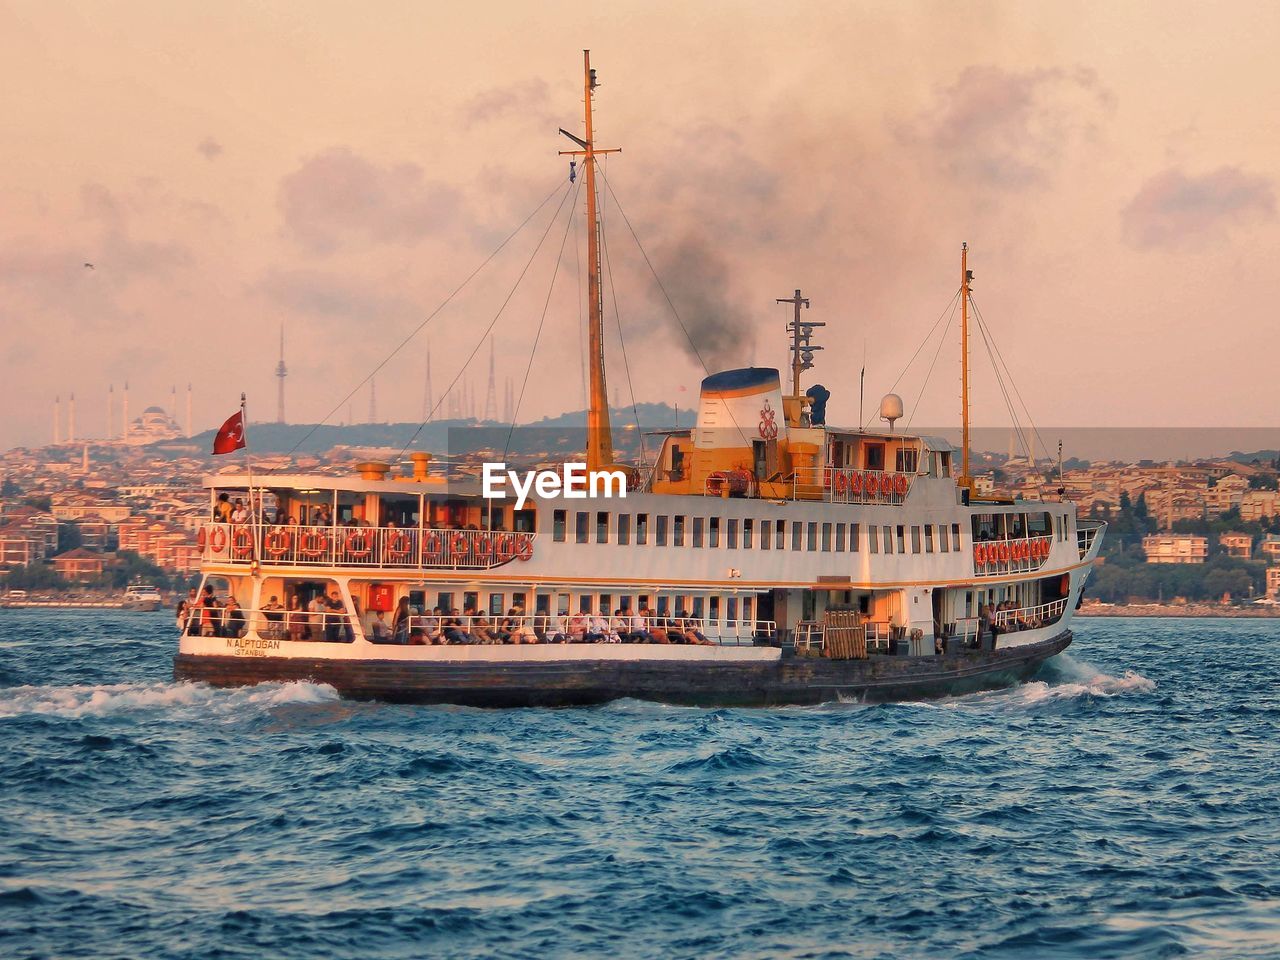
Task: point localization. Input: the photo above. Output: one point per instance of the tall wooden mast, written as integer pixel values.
(599, 431)
(966, 480)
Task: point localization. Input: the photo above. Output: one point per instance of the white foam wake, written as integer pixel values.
(1071, 679)
(182, 698)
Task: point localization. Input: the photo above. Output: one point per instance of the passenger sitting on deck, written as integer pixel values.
(233, 622)
(578, 624)
(453, 630)
(484, 631)
(643, 631)
(689, 631)
(381, 630)
(239, 513)
(620, 626)
(418, 639)
(207, 614)
(597, 630)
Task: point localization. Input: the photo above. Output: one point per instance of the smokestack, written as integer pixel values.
(124, 412)
(111, 402)
(189, 433)
(57, 419)
(71, 419)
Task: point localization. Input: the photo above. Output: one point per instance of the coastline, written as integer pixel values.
(1188, 610)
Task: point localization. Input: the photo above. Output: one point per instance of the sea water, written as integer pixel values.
(1125, 803)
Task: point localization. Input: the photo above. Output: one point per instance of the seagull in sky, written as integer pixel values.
(89, 265)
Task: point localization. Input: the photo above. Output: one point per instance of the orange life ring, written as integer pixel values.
(458, 543)
(483, 547)
(524, 546)
(242, 542)
(900, 484)
(202, 537)
(504, 547)
(278, 542)
(313, 543)
(218, 539)
(1004, 552)
(365, 541)
(398, 546)
(855, 483)
(840, 483)
(886, 484)
(980, 555)
(431, 545)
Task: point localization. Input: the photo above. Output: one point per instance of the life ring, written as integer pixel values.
(202, 537)
(900, 484)
(980, 555)
(524, 547)
(364, 547)
(483, 547)
(313, 543)
(840, 483)
(1004, 552)
(431, 545)
(504, 548)
(242, 543)
(278, 542)
(218, 539)
(886, 485)
(855, 483)
(458, 543)
(399, 546)
(716, 481)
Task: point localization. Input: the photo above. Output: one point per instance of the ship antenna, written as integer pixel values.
(966, 276)
(599, 431)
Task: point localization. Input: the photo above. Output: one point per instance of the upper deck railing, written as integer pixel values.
(408, 548)
(845, 485)
(1014, 555)
(1087, 531)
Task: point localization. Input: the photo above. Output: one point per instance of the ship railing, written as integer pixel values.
(545, 628)
(1013, 555)
(1087, 531)
(810, 635)
(846, 485)
(332, 626)
(967, 630)
(368, 547)
(1029, 618)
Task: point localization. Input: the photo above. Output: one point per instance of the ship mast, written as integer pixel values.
(966, 480)
(599, 431)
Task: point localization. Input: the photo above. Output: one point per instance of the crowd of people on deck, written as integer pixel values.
(323, 618)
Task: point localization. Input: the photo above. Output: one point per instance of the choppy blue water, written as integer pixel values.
(1124, 804)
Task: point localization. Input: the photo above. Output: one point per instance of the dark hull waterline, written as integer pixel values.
(792, 681)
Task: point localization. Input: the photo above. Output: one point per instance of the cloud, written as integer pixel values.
(530, 99)
(1174, 209)
(209, 148)
(322, 294)
(339, 197)
(997, 128)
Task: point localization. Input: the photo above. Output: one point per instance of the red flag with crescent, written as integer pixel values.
(231, 437)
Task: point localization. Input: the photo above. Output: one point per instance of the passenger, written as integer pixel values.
(315, 619)
(417, 638)
(578, 625)
(210, 619)
(239, 514)
(233, 622)
(509, 628)
(381, 629)
(485, 631)
(274, 613)
(598, 630)
(295, 620)
(334, 619)
(222, 509)
(400, 621)
(640, 628)
(184, 614)
(454, 629)
(620, 626)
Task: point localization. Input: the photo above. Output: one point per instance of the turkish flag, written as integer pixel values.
(231, 437)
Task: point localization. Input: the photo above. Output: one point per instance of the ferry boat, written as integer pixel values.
(764, 558)
(141, 596)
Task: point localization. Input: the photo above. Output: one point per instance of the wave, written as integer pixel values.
(121, 698)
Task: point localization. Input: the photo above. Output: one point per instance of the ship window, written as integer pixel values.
(715, 608)
(826, 538)
(908, 460)
(887, 533)
(582, 520)
(873, 542)
(524, 521)
(518, 601)
(731, 609)
(928, 538)
(584, 603)
(747, 605)
(955, 536)
(557, 525)
(677, 531)
(797, 535)
(915, 539)
(642, 528)
(660, 535)
(470, 600)
(748, 527)
(780, 537)
(698, 607)
(624, 604)
(766, 535)
(602, 526)
(731, 534)
(855, 534)
(606, 605)
(813, 536)
(444, 601)
(902, 538)
(624, 528)
(1038, 524)
(839, 538)
(542, 603)
(713, 532)
(664, 606)
(495, 605)
(943, 545)
(698, 524)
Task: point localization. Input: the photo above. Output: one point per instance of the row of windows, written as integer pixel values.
(734, 534)
(714, 608)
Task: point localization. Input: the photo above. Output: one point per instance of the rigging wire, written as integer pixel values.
(933, 363)
(982, 325)
(666, 296)
(492, 323)
(1000, 382)
(951, 306)
(418, 329)
(572, 219)
(622, 343)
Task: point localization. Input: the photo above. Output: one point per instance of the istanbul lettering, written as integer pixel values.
(251, 646)
(572, 482)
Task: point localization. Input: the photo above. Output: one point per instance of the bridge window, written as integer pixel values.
(797, 535)
(677, 531)
(826, 538)
(873, 541)
(731, 534)
(748, 531)
(780, 536)
(908, 460)
(839, 538)
(915, 539)
(642, 528)
(660, 535)
(766, 535)
(713, 532)
(902, 538)
(698, 524)
(624, 528)
(887, 532)
(813, 536)
(602, 526)
(557, 525)
(582, 520)
(943, 546)
(928, 538)
(955, 536)
(524, 521)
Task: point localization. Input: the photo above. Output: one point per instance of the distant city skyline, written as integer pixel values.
(1113, 170)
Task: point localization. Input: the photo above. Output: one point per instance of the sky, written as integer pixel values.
(341, 168)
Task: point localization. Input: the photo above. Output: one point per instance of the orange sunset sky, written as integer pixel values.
(341, 167)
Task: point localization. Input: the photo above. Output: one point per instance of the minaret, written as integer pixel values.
(71, 419)
(281, 373)
(189, 433)
(57, 419)
(373, 400)
(111, 402)
(173, 402)
(491, 395)
(124, 412)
